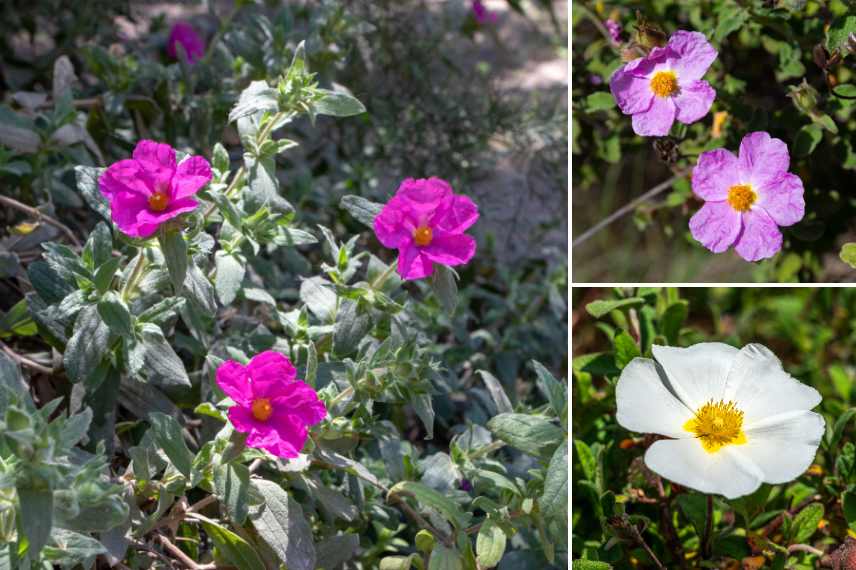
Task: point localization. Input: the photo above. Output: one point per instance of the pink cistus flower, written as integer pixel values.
(184, 34)
(481, 14)
(614, 29)
(425, 221)
(747, 197)
(666, 84)
(272, 406)
(149, 189)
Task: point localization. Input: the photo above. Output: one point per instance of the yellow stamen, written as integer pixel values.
(664, 83)
(741, 197)
(717, 424)
(262, 409)
(423, 236)
(158, 201)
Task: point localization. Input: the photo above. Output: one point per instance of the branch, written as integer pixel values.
(185, 559)
(805, 548)
(24, 361)
(38, 214)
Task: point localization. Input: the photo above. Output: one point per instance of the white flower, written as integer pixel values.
(737, 418)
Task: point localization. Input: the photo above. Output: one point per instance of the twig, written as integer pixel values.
(670, 535)
(24, 361)
(418, 519)
(805, 548)
(708, 528)
(38, 214)
(627, 208)
(641, 542)
(179, 553)
(597, 24)
(774, 524)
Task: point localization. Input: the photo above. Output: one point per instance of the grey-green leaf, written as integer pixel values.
(170, 437)
(87, 346)
(175, 253)
(490, 544)
(230, 274)
(114, 312)
(338, 104)
(534, 435)
(232, 484)
(364, 211)
(554, 498)
(281, 524)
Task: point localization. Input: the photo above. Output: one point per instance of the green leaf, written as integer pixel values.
(586, 459)
(258, 96)
(280, 522)
(590, 565)
(554, 499)
(805, 522)
(337, 104)
(424, 407)
(232, 485)
(229, 276)
(672, 320)
(162, 364)
(694, 507)
(839, 426)
(351, 327)
(443, 558)
(364, 211)
(220, 158)
(114, 312)
(36, 517)
(598, 309)
(848, 254)
(554, 390)
(807, 139)
(490, 544)
(101, 243)
(87, 346)
(234, 548)
(534, 435)
(87, 185)
(104, 274)
(170, 437)
(848, 503)
(625, 349)
(431, 498)
(161, 311)
(396, 562)
(599, 101)
(445, 287)
(175, 253)
(839, 32)
(318, 296)
(497, 393)
(731, 19)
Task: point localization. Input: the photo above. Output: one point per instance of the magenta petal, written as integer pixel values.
(392, 226)
(300, 400)
(450, 249)
(232, 379)
(763, 159)
(760, 238)
(656, 121)
(412, 264)
(174, 209)
(714, 174)
(783, 200)
(694, 101)
(241, 417)
(190, 176)
(460, 214)
(193, 44)
(423, 195)
(695, 54)
(716, 225)
(124, 176)
(270, 372)
(124, 208)
(288, 435)
(632, 93)
(155, 155)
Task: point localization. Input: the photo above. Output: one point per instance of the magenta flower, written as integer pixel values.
(481, 14)
(184, 34)
(746, 197)
(614, 29)
(425, 221)
(149, 189)
(272, 406)
(666, 84)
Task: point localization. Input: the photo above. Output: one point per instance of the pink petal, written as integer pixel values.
(425, 194)
(125, 206)
(714, 174)
(301, 400)
(412, 264)
(716, 226)
(632, 93)
(393, 226)
(459, 214)
(232, 379)
(783, 200)
(763, 159)
(270, 372)
(450, 249)
(155, 155)
(174, 209)
(193, 44)
(656, 121)
(190, 176)
(760, 238)
(695, 54)
(694, 101)
(124, 176)
(241, 417)
(287, 435)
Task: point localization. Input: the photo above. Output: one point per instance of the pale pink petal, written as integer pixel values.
(714, 174)
(656, 121)
(190, 177)
(412, 264)
(450, 249)
(760, 238)
(232, 379)
(270, 372)
(632, 93)
(695, 54)
(783, 199)
(763, 159)
(716, 225)
(694, 100)
(460, 214)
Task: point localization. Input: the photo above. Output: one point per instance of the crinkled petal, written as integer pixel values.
(796, 433)
(760, 237)
(657, 120)
(157, 162)
(241, 418)
(714, 174)
(684, 461)
(695, 54)
(412, 264)
(632, 93)
(716, 226)
(124, 209)
(783, 199)
(450, 249)
(190, 177)
(698, 373)
(174, 209)
(290, 435)
(458, 214)
(232, 379)
(763, 159)
(125, 176)
(693, 101)
(644, 403)
(761, 388)
(425, 194)
(299, 399)
(393, 227)
(271, 372)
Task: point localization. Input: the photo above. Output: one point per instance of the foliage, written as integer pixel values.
(799, 524)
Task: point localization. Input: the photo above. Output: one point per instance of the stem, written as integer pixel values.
(597, 24)
(641, 542)
(38, 214)
(185, 559)
(381, 279)
(805, 548)
(708, 528)
(24, 361)
(341, 396)
(131, 283)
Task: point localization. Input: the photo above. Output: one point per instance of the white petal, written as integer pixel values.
(644, 403)
(784, 446)
(685, 462)
(761, 388)
(697, 373)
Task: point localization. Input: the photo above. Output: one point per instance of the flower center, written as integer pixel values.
(158, 201)
(262, 409)
(717, 424)
(664, 83)
(741, 197)
(423, 235)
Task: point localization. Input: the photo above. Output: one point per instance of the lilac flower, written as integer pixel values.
(614, 29)
(193, 44)
(481, 14)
